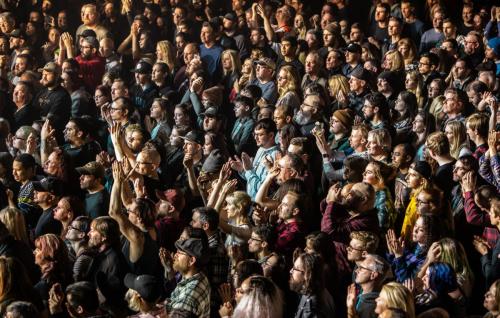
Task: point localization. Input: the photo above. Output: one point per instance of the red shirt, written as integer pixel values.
(91, 71)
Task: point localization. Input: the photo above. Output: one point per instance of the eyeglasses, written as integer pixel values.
(71, 227)
(115, 109)
(297, 270)
(365, 268)
(422, 63)
(422, 202)
(255, 239)
(350, 247)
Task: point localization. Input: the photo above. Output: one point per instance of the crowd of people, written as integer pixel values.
(249, 159)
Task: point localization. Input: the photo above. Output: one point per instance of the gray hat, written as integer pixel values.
(211, 111)
(194, 136)
(362, 74)
(51, 67)
(143, 67)
(192, 247)
(92, 168)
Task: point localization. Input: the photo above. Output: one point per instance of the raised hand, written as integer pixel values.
(480, 245)
(351, 297)
(434, 252)
(334, 194)
(118, 175)
(396, 246)
(469, 182)
(104, 159)
(247, 161)
(56, 299)
(47, 131)
(139, 188)
(236, 164)
(166, 258)
(225, 172)
(226, 292)
(229, 186)
(226, 310)
(31, 144)
(188, 160)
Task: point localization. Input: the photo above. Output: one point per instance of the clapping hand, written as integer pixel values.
(394, 245)
(480, 245)
(225, 292)
(469, 182)
(56, 299)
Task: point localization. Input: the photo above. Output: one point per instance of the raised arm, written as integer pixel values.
(130, 231)
(262, 197)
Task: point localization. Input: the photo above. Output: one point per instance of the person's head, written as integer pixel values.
(51, 256)
(50, 75)
(313, 63)
(477, 127)
(373, 270)
(454, 101)
(354, 167)
(258, 296)
(67, 209)
(310, 109)
(13, 220)
(264, 70)
(291, 166)
(425, 230)
(21, 309)
(261, 239)
(437, 144)
(135, 137)
(472, 43)
(205, 218)
(306, 275)
(361, 244)
(102, 95)
(148, 161)
(208, 33)
(402, 155)
(78, 229)
(379, 142)
(237, 205)
(23, 93)
(494, 212)
(104, 232)
(341, 122)
(292, 206)
(393, 61)
(377, 174)
(492, 297)
(353, 53)
(428, 63)
(264, 132)
(245, 269)
(142, 213)
(23, 168)
(419, 175)
(395, 296)
(408, 50)
(382, 12)
(359, 80)
(375, 105)
(120, 109)
(81, 299)
(90, 15)
(361, 198)
(190, 255)
(182, 114)
(440, 278)
(358, 137)
(287, 80)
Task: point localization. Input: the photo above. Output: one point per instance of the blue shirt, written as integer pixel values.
(211, 57)
(255, 176)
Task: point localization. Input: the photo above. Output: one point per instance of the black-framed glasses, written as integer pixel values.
(255, 239)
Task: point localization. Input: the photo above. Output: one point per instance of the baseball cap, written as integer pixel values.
(174, 197)
(143, 67)
(362, 74)
(49, 184)
(265, 61)
(50, 67)
(231, 16)
(192, 247)
(354, 48)
(18, 33)
(147, 286)
(423, 168)
(92, 168)
(211, 111)
(194, 136)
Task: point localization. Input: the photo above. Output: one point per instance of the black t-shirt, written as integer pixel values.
(47, 224)
(84, 154)
(444, 178)
(97, 204)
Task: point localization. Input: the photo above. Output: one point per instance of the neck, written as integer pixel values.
(360, 148)
(376, 119)
(395, 38)
(379, 157)
(288, 58)
(263, 253)
(410, 19)
(44, 205)
(441, 160)
(209, 44)
(159, 83)
(268, 145)
(76, 245)
(368, 287)
(382, 24)
(479, 141)
(96, 189)
(190, 273)
(339, 136)
(77, 143)
(403, 169)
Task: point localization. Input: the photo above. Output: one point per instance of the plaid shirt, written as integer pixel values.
(489, 169)
(407, 266)
(477, 217)
(192, 295)
(290, 236)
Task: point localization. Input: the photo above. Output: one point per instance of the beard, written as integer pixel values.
(302, 118)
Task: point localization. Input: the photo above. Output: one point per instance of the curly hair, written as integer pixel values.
(54, 254)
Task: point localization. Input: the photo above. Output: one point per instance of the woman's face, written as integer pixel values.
(298, 22)
(369, 175)
(490, 303)
(227, 64)
(410, 82)
(282, 79)
(449, 133)
(207, 146)
(54, 36)
(425, 279)
(232, 210)
(159, 54)
(419, 235)
(99, 98)
(374, 149)
(53, 164)
(180, 118)
(418, 125)
(156, 112)
(175, 139)
(381, 302)
(413, 179)
(387, 63)
(404, 50)
(364, 54)
(62, 211)
(247, 67)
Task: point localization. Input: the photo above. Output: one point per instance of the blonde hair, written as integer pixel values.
(419, 91)
(13, 219)
(338, 83)
(412, 50)
(292, 80)
(382, 137)
(459, 137)
(399, 297)
(453, 253)
(370, 240)
(168, 50)
(235, 61)
(397, 60)
(240, 199)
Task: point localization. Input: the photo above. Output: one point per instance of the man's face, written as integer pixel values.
(368, 110)
(89, 16)
(142, 79)
(459, 171)
(264, 73)
(380, 14)
(461, 70)
(48, 79)
(134, 140)
(373, 147)
(355, 250)
(181, 262)
(383, 86)
(351, 57)
(62, 19)
(117, 90)
(20, 66)
(467, 14)
(96, 239)
(145, 164)
(157, 75)
(6, 26)
(285, 170)
(471, 44)
(363, 272)
(433, 90)
(474, 98)
(450, 105)
(394, 28)
(19, 172)
(189, 53)
(355, 35)
(448, 30)
(326, 19)
(297, 277)
(118, 111)
(87, 181)
(279, 118)
(105, 48)
(398, 156)
(255, 37)
(286, 208)
(406, 10)
(255, 243)
(71, 132)
(332, 61)
(327, 38)
(287, 49)
(437, 20)
(424, 66)
(14, 43)
(262, 137)
(178, 15)
(20, 95)
(207, 35)
(41, 197)
(210, 123)
(356, 139)
(311, 65)
(87, 51)
(195, 221)
(355, 84)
